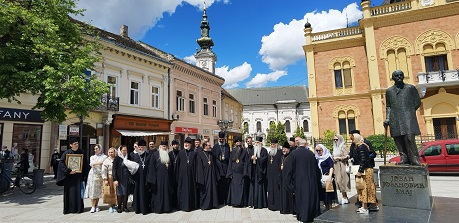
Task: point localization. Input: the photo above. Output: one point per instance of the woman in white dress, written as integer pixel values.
(341, 158)
(94, 187)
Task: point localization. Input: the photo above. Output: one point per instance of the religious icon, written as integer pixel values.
(74, 162)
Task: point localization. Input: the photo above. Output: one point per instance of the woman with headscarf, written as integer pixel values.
(325, 162)
(94, 184)
(122, 170)
(340, 156)
(368, 193)
(109, 194)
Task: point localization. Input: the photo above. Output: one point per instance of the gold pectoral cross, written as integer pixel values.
(167, 165)
(271, 160)
(282, 166)
(237, 160)
(208, 162)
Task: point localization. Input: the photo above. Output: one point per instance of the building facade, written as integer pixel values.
(288, 105)
(350, 69)
(231, 120)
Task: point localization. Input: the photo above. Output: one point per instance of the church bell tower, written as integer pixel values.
(205, 57)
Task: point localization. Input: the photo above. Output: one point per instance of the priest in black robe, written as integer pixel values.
(161, 178)
(302, 177)
(142, 194)
(238, 168)
(73, 181)
(273, 171)
(207, 177)
(287, 197)
(186, 178)
(291, 142)
(221, 152)
(258, 184)
(173, 155)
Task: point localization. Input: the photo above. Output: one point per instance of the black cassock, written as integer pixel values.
(173, 159)
(186, 180)
(73, 199)
(287, 198)
(257, 191)
(222, 153)
(273, 171)
(142, 195)
(161, 178)
(302, 177)
(238, 172)
(207, 177)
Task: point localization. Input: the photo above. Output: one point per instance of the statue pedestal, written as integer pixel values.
(405, 186)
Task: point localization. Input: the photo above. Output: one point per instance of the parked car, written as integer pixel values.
(440, 155)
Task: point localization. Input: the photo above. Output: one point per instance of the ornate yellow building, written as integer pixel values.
(349, 69)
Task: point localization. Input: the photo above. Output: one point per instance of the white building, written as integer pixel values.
(289, 105)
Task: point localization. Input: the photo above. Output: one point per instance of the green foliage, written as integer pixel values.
(44, 52)
(327, 140)
(299, 132)
(271, 132)
(378, 143)
(280, 134)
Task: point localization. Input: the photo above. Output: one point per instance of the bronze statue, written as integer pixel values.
(402, 101)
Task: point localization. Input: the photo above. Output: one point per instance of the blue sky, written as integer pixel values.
(258, 43)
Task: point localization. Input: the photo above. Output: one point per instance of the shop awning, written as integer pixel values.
(141, 133)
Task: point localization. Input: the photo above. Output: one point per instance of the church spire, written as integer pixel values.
(205, 58)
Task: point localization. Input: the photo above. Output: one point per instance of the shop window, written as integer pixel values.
(28, 137)
(135, 93)
(155, 97)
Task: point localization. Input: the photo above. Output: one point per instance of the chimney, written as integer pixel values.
(124, 31)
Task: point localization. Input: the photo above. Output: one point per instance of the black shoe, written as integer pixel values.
(126, 210)
(119, 211)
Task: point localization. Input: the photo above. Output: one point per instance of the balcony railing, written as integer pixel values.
(391, 8)
(443, 77)
(109, 103)
(336, 33)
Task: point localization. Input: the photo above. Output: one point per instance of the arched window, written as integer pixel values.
(246, 127)
(258, 126)
(438, 59)
(342, 72)
(287, 126)
(305, 126)
(398, 60)
(346, 122)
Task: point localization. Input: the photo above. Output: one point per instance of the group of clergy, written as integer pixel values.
(204, 177)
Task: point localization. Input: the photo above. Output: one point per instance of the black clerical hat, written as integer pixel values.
(274, 141)
(142, 143)
(163, 143)
(292, 139)
(259, 139)
(175, 142)
(188, 140)
(73, 140)
(221, 135)
(238, 139)
(355, 131)
(286, 145)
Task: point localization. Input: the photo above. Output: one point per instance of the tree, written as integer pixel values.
(299, 132)
(280, 134)
(271, 132)
(327, 141)
(377, 141)
(44, 52)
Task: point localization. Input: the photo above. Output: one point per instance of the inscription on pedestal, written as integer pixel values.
(405, 186)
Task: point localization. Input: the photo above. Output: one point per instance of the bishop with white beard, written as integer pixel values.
(258, 161)
(161, 177)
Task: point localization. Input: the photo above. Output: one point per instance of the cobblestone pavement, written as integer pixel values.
(45, 205)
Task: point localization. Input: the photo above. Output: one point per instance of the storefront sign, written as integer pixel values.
(92, 141)
(186, 130)
(141, 124)
(12, 114)
(74, 130)
(215, 132)
(63, 132)
(205, 131)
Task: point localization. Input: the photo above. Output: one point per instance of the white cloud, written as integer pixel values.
(283, 46)
(260, 80)
(190, 59)
(139, 16)
(235, 75)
